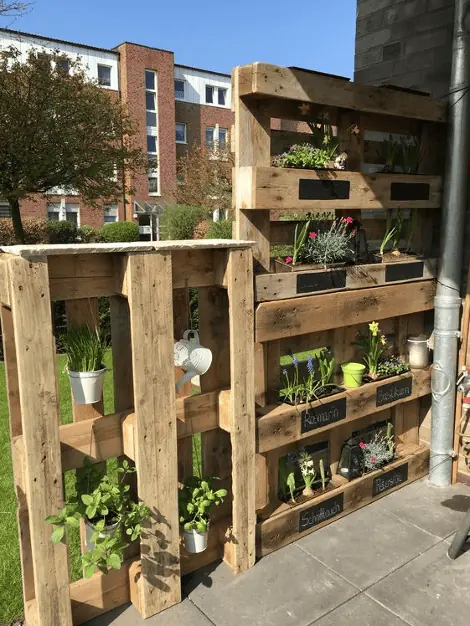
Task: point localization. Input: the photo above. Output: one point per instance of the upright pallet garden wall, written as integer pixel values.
(147, 285)
(305, 310)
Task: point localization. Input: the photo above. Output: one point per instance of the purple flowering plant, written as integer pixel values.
(320, 372)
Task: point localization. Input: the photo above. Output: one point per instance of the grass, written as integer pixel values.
(11, 597)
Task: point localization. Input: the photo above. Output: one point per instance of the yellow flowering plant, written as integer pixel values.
(373, 345)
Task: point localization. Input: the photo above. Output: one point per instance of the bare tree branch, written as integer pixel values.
(13, 8)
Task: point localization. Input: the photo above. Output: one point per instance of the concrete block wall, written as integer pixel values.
(406, 43)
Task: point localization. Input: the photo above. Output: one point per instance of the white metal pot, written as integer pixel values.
(87, 387)
(89, 530)
(418, 352)
(194, 541)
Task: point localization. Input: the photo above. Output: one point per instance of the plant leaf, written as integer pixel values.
(57, 534)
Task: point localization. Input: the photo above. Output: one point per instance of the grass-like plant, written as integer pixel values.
(373, 346)
(411, 154)
(318, 378)
(396, 229)
(84, 349)
(333, 245)
(391, 154)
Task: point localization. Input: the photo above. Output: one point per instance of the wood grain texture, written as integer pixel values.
(262, 188)
(241, 555)
(284, 285)
(284, 318)
(35, 352)
(280, 424)
(151, 319)
(265, 80)
(4, 283)
(280, 530)
(121, 345)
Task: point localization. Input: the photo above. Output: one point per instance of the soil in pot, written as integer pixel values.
(396, 256)
(322, 392)
(281, 266)
(301, 497)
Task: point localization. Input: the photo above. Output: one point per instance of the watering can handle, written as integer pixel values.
(184, 379)
(187, 333)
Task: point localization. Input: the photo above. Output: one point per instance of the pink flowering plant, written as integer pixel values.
(331, 246)
(379, 451)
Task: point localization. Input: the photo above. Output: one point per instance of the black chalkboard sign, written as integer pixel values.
(320, 281)
(392, 392)
(404, 271)
(389, 480)
(322, 415)
(322, 512)
(409, 191)
(323, 189)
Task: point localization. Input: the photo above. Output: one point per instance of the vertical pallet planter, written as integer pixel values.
(302, 310)
(146, 285)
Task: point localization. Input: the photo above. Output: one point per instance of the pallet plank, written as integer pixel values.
(282, 318)
(151, 317)
(35, 351)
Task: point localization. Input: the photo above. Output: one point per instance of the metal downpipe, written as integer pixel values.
(447, 302)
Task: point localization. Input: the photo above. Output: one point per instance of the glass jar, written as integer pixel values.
(418, 352)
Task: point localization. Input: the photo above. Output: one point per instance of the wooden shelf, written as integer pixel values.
(262, 80)
(290, 523)
(280, 286)
(278, 188)
(282, 424)
(287, 318)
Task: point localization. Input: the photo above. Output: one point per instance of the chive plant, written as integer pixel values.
(84, 349)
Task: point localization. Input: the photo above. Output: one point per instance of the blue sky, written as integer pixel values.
(216, 35)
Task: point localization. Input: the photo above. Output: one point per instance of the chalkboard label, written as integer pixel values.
(322, 512)
(409, 191)
(394, 391)
(404, 271)
(323, 189)
(321, 281)
(389, 480)
(322, 415)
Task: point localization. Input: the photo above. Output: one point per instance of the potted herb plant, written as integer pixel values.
(196, 499)
(397, 231)
(112, 518)
(379, 364)
(300, 472)
(315, 385)
(379, 451)
(84, 350)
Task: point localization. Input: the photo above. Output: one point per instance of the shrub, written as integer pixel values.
(180, 220)
(86, 234)
(61, 232)
(35, 229)
(119, 231)
(220, 230)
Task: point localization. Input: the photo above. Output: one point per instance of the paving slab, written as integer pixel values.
(439, 510)
(431, 589)
(184, 614)
(286, 587)
(360, 611)
(367, 545)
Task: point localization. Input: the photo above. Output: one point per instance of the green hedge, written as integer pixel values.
(61, 232)
(180, 220)
(220, 230)
(119, 231)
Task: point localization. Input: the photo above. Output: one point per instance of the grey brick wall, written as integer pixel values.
(405, 43)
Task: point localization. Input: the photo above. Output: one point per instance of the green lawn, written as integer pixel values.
(11, 601)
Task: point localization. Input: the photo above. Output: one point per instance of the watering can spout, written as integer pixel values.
(184, 379)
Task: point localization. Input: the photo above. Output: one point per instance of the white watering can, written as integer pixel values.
(193, 358)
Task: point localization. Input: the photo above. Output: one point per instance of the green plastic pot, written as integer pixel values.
(352, 374)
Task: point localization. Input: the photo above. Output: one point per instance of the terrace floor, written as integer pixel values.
(384, 565)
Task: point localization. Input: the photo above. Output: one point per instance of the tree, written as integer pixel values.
(59, 129)
(205, 177)
(10, 8)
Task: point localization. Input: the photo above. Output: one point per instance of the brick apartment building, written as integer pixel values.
(174, 105)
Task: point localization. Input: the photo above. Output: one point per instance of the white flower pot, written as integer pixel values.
(87, 387)
(195, 542)
(89, 530)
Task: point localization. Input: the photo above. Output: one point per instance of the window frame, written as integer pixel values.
(183, 82)
(185, 127)
(107, 67)
(223, 90)
(212, 88)
(211, 144)
(4, 206)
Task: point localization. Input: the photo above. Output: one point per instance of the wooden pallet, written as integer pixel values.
(146, 284)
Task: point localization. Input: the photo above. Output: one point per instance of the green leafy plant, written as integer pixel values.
(322, 474)
(196, 499)
(392, 366)
(108, 504)
(300, 237)
(316, 382)
(291, 485)
(373, 346)
(86, 234)
(411, 154)
(119, 231)
(180, 220)
(84, 349)
(307, 156)
(220, 230)
(61, 232)
(331, 246)
(396, 229)
(391, 154)
(327, 363)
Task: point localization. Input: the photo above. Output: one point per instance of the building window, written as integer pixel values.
(210, 136)
(63, 65)
(180, 132)
(5, 210)
(179, 89)
(209, 94)
(150, 101)
(150, 80)
(223, 137)
(110, 213)
(71, 213)
(63, 211)
(54, 212)
(104, 75)
(222, 96)
(152, 144)
(153, 183)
